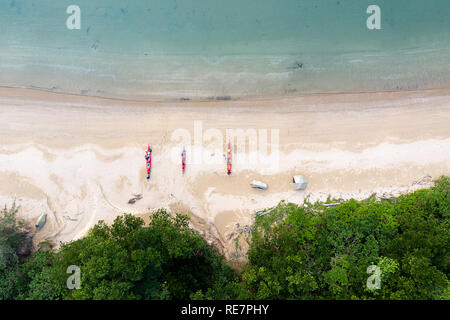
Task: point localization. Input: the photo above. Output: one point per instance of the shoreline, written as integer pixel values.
(81, 158)
(48, 94)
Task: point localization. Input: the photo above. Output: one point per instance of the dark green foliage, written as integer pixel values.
(39, 275)
(126, 261)
(314, 252)
(183, 259)
(296, 252)
(422, 244)
(15, 246)
(14, 242)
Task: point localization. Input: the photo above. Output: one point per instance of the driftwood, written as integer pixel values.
(135, 198)
(261, 213)
(231, 235)
(331, 204)
(422, 181)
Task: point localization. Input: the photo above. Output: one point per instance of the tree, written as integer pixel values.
(167, 259)
(15, 246)
(319, 252)
(310, 251)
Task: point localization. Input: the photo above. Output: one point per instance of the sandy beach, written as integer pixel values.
(80, 159)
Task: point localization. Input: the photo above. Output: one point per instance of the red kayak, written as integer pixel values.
(229, 158)
(183, 160)
(148, 158)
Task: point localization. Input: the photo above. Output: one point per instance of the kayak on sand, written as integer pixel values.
(229, 158)
(183, 160)
(148, 158)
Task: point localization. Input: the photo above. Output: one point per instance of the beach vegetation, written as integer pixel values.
(123, 261)
(317, 252)
(15, 247)
(308, 251)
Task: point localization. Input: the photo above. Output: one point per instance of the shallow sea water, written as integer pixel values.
(211, 49)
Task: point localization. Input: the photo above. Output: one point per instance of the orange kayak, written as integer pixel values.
(229, 158)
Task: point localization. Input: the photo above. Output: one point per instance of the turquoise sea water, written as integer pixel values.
(172, 49)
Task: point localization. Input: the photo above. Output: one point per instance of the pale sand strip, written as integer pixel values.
(80, 159)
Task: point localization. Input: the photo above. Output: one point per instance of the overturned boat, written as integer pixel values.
(258, 185)
(299, 182)
(41, 221)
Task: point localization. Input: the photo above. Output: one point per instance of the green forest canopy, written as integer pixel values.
(295, 252)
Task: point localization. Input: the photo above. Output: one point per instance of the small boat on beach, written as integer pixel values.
(183, 160)
(148, 158)
(258, 185)
(299, 182)
(41, 221)
(229, 158)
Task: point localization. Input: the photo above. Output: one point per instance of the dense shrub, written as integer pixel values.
(311, 251)
(317, 252)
